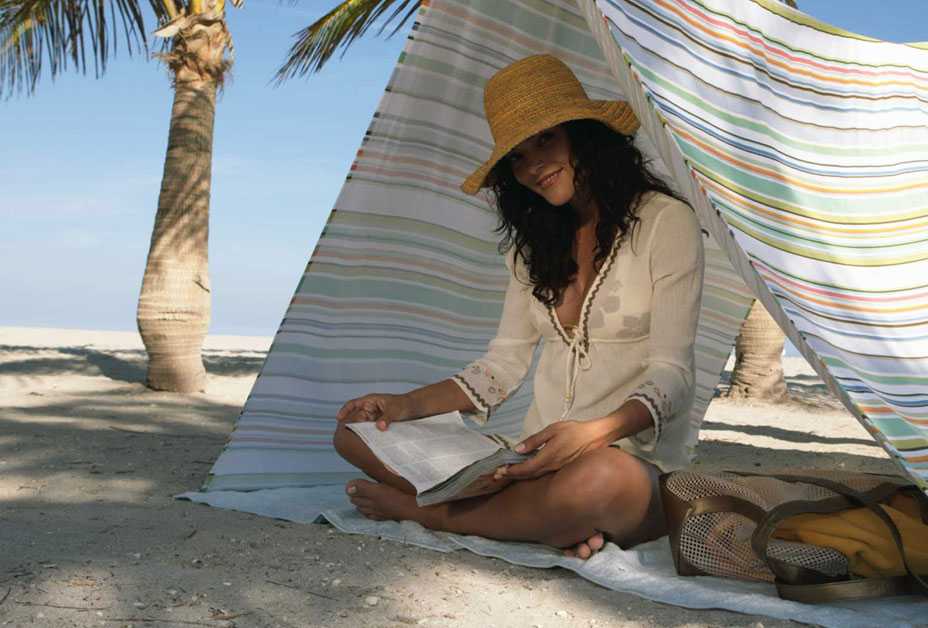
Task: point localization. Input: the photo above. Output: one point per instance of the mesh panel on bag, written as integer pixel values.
(774, 492)
(763, 491)
(720, 543)
(689, 486)
(822, 559)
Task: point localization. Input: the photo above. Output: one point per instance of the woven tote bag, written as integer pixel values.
(722, 524)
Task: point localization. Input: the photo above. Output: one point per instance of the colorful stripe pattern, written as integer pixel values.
(405, 286)
(805, 151)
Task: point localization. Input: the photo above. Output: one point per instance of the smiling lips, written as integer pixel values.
(548, 180)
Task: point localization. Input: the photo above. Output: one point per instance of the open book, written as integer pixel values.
(438, 455)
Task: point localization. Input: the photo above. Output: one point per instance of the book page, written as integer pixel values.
(426, 451)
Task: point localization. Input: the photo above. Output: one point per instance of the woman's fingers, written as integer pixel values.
(535, 441)
(346, 410)
(382, 408)
(361, 409)
(354, 410)
(534, 467)
(537, 465)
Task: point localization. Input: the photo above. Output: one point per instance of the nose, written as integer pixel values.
(536, 162)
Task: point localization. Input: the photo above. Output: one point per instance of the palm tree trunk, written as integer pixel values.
(758, 370)
(174, 305)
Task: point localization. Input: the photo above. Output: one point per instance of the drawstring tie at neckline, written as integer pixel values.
(578, 358)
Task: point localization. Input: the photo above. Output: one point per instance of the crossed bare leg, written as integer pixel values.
(606, 493)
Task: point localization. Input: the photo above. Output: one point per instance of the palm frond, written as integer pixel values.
(338, 28)
(56, 34)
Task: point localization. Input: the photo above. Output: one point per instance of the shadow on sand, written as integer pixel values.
(121, 366)
(92, 532)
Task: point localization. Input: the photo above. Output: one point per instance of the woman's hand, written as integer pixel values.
(382, 408)
(558, 444)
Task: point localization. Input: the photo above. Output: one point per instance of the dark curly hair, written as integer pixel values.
(614, 171)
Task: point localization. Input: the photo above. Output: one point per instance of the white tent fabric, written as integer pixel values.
(804, 150)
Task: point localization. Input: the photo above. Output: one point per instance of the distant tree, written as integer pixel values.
(60, 35)
(758, 370)
(174, 305)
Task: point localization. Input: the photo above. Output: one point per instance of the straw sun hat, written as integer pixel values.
(534, 94)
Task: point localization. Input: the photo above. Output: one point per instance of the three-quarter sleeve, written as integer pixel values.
(677, 265)
(489, 380)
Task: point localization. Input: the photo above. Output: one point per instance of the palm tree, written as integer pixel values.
(758, 370)
(35, 35)
(174, 306)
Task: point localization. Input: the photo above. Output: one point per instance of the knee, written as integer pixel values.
(345, 441)
(596, 480)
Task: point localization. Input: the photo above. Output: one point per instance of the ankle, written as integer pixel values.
(435, 517)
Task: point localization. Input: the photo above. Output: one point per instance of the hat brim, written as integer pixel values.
(617, 114)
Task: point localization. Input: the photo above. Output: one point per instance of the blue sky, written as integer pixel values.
(82, 162)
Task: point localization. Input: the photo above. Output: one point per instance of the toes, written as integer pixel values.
(366, 507)
(584, 551)
(367, 512)
(596, 542)
(359, 487)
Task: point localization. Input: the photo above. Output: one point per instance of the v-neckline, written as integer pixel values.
(580, 329)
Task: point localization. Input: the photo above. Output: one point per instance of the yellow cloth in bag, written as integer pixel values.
(866, 541)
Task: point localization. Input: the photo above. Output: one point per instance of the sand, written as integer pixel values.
(90, 534)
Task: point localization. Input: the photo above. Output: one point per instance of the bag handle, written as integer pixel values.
(834, 590)
(846, 589)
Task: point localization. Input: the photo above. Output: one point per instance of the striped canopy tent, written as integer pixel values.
(803, 149)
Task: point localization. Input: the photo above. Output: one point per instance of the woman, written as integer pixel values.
(607, 269)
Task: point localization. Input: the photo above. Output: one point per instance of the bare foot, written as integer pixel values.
(382, 502)
(587, 548)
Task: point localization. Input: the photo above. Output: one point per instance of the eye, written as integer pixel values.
(514, 157)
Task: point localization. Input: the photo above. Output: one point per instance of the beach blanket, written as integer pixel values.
(802, 149)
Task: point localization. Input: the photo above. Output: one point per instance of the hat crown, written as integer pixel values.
(534, 94)
(526, 89)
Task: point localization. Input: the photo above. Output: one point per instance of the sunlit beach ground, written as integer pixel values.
(90, 534)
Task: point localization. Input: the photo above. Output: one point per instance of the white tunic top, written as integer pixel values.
(634, 339)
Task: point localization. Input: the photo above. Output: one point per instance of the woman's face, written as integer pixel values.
(542, 163)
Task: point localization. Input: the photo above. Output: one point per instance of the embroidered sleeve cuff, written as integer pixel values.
(658, 405)
(482, 388)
